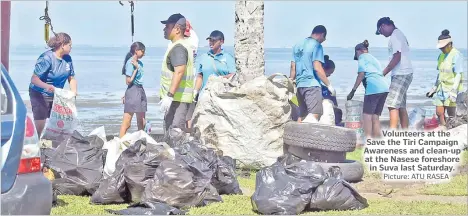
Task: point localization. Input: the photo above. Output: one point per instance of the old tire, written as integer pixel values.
(352, 171)
(320, 137)
(316, 155)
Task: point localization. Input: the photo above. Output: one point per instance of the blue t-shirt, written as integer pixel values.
(53, 71)
(305, 53)
(129, 71)
(370, 66)
(225, 64)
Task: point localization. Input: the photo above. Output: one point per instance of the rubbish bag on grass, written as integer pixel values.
(224, 177)
(148, 208)
(336, 194)
(181, 184)
(63, 120)
(245, 121)
(461, 116)
(286, 190)
(134, 167)
(78, 162)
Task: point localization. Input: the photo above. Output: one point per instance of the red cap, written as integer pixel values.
(187, 29)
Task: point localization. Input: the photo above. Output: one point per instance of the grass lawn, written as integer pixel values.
(240, 204)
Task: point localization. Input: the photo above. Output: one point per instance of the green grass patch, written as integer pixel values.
(78, 205)
(458, 186)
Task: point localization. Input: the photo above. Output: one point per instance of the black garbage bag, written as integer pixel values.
(182, 183)
(286, 189)
(148, 208)
(134, 167)
(225, 178)
(78, 163)
(461, 116)
(336, 194)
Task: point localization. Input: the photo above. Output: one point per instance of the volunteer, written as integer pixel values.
(402, 72)
(448, 82)
(53, 68)
(308, 58)
(135, 97)
(329, 67)
(215, 62)
(177, 78)
(376, 89)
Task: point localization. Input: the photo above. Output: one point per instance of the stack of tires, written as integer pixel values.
(325, 144)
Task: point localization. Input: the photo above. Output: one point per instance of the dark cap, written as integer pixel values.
(216, 35)
(383, 20)
(360, 46)
(175, 19)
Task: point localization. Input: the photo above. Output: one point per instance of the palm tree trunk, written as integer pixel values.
(249, 36)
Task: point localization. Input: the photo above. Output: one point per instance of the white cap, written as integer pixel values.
(443, 43)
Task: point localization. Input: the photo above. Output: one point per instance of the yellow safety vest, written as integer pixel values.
(184, 92)
(446, 73)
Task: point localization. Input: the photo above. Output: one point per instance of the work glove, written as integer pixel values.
(431, 92)
(453, 95)
(165, 103)
(195, 95)
(331, 90)
(351, 95)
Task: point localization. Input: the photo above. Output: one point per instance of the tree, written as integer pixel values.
(249, 36)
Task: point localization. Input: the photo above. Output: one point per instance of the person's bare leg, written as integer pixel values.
(40, 124)
(376, 130)
(440, 112)
(367, 125)
(394, 118)
(299, 119)
(189, 124)
(126, 122)
(404, 120)
(141, 120)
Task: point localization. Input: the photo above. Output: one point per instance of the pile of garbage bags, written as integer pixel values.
(291, 186)
(156, 177)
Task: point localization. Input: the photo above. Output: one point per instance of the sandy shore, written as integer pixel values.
(95, 113)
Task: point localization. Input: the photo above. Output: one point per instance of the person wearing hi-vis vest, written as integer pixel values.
(448, 82)
(177, 79)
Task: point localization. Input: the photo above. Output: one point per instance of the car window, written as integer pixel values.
(5, 101)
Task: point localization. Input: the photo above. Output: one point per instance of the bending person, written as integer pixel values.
(448, 82)
(376, 89)
(53, 68)
(308, 57)
(135, 100)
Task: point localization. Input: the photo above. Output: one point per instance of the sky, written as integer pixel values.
(107, 23)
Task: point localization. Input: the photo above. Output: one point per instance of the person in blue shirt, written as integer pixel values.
(216, 62)
(329, 67)
(308, 58)
(53, 68)
(135, 97)
(376, 89)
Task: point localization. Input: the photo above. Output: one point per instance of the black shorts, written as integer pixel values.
(373, 104)
(41, 105)
(310, 100)
(135, 100)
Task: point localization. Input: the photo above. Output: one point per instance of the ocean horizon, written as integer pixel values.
(101, 85)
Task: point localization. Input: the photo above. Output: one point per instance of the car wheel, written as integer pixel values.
(320, 137)
(316, 155)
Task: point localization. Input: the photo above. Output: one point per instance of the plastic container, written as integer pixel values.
(353, 118)
(417, 118)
